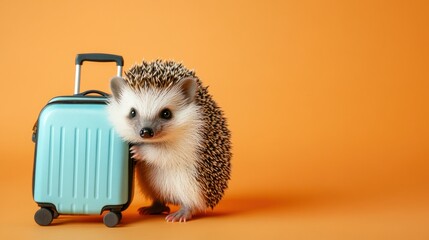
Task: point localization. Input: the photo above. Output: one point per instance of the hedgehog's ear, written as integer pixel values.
(188, 85)
(117, 85)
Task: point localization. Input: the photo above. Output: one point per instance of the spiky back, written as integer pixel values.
(157, 74)
(214, 165)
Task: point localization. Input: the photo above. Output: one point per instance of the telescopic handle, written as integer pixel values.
(99, 57)
(96, 57)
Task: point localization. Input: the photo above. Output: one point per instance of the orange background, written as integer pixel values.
(327, 102)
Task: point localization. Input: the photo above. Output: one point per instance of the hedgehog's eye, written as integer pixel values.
(166, 114)
(132, 113)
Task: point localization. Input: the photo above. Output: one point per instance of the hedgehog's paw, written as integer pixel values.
(183, 215)
(135, 153)
(155, 209)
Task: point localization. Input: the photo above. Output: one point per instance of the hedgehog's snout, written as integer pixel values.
(147, 133)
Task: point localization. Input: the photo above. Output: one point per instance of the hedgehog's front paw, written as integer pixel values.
(135, 152)
(183, 215)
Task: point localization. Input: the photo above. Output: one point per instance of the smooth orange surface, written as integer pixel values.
(327, 102)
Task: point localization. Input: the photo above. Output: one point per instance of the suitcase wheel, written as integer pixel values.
(44, 216)
(112, 219)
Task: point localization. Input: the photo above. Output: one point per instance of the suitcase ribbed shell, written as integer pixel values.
(81, 164)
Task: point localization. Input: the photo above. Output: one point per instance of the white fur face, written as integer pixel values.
(169, 113)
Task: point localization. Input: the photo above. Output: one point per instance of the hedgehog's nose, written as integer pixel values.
(146, 133)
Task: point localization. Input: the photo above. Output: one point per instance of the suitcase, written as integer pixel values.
(81, 165)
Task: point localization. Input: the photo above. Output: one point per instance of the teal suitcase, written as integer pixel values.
(81, 164)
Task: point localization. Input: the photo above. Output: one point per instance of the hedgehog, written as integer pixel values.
(178, 135)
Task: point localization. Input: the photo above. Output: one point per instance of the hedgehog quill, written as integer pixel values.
(179, 135)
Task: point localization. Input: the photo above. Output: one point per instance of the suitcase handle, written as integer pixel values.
(96, 57)
(93, 91)
(99, 57)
